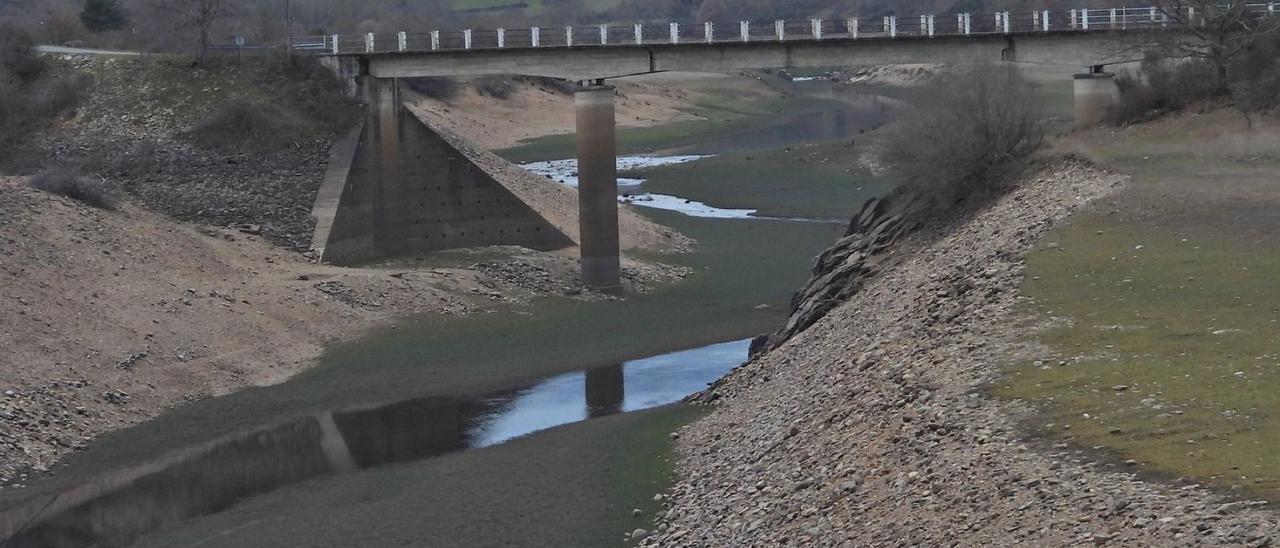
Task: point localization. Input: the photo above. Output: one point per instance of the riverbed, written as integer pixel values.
(431, 427)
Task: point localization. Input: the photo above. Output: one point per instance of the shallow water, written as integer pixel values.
(865, 112)
(117, 507)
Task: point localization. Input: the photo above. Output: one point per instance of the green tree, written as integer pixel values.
(103, 15)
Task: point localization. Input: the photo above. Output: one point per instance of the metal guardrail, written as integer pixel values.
(963, 24)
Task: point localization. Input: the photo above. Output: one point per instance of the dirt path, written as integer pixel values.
(872, 427)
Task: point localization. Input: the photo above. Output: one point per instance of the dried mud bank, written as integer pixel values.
(871, 427)
(107, 318)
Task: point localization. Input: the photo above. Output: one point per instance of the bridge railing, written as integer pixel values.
(1039, 21)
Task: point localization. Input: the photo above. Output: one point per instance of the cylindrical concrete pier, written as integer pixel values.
(598, 189)
(1096, 94)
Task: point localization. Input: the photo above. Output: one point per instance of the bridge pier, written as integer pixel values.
(598, 188)
(1096, 95)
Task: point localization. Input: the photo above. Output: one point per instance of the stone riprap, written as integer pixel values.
(871, 428)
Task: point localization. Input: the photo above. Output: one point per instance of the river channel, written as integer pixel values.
(427, 433)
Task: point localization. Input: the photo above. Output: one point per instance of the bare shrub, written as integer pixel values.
(442, 89)
(563, 87)
(65, 182)
(314, 92)
(965, 135)
(1255, 78)
(1163, 87)
(29, 95)
(498, 87)
(19, 63)
(242, 126)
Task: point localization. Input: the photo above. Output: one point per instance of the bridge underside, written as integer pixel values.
(581, 63)
(414, 192)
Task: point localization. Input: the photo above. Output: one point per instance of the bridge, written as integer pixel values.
(1086, 38)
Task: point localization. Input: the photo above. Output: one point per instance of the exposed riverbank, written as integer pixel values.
(872, 426)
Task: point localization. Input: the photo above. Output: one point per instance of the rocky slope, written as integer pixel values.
(843, 269)
(871, 427)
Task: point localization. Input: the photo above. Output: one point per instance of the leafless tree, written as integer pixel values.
(965, 135)
(199, 14)
(1217, 31)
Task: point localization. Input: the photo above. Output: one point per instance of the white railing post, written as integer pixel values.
(744, 28)
(817, 28)
(1035, 19)
(675, 33)
(435, 40)
(1113, 18)
(1271, 8)
(568, 36)
(891, 25)
(924, 24)
(535, 36)
(639, 32)
(709, 29)
(1005, 21)
(368, 43)
(604, 35)
(402, 41)
(502, 38)
(1074, 23)
(1084, 18)
(466, 39)
(931, 29)
(852, 25)
(1044, 21)
(780, 27)
(335, 44)
(967, 22)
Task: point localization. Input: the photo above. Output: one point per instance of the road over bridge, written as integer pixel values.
(1086, 38)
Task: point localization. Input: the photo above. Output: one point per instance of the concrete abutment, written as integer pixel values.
(408, 190)
(1096, 97)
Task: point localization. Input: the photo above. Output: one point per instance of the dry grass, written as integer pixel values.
(967, 137)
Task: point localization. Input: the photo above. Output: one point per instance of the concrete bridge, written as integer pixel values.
(1086, 38)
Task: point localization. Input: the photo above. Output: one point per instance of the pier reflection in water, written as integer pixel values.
(115, 508)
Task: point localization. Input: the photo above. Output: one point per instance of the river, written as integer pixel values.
(398, 403)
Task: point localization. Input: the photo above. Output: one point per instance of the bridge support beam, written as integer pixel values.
(1096, 95)
(598, 188)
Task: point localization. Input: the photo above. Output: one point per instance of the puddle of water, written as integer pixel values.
(687, 207)
(566, 173)
(114, 509)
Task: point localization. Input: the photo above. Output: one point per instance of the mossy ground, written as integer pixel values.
(1165, 304)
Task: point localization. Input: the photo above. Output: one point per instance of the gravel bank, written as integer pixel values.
(871, 427)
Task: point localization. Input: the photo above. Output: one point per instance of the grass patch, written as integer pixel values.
(1169, 289)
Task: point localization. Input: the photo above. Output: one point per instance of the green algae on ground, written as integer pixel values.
(1166, 314)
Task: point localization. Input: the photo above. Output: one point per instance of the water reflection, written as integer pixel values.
(114, 509)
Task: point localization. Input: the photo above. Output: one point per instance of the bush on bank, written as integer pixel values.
(66, 182)
(965, 136)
